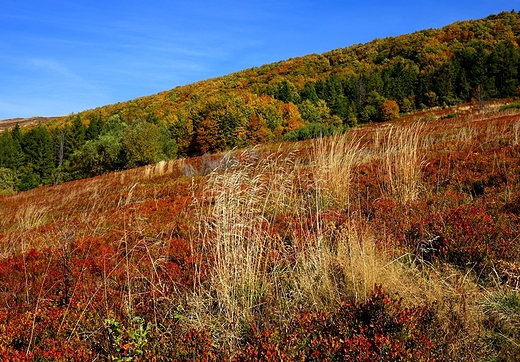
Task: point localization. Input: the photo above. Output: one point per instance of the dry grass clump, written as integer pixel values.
(403, 157)
(236, 235)
(334, 159)
(30, 217)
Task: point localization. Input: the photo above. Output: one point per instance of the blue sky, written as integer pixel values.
(64, 56)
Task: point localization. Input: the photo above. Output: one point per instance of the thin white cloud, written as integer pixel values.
(54, 67)
(60, 76)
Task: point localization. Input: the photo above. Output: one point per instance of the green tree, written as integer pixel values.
(182, 133)
(271, 112)
(17, 133)
(309, 112)
(286, 92)
(400, 79)
(95, 127)
(8, 180)
(169, 148)
(141, 143)
(331, 91)
(11, 154)
(504, 62)
(75, 136)
(38, 147)
(308, 92)
(98, 156)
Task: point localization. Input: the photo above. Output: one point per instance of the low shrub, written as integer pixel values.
(379, 329)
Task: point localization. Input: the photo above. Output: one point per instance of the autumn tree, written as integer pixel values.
(232, 118)
(291, 117)
(207, 139)
(257, 132)
(389, 110)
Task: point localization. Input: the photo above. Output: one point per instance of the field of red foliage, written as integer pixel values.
(397, 241)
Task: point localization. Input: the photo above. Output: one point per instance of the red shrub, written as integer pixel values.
(467, 236)
(379, 329)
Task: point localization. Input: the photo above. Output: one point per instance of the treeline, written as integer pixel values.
(43, 156)
(290, 100)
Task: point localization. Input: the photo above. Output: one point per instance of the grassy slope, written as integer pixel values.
(176, 261)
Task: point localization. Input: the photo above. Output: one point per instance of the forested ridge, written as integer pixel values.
(296, 99)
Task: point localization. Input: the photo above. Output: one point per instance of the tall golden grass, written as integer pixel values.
(252, 266)
(403, 154)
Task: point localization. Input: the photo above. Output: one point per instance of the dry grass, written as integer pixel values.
(235, 232)
(334, 159)
(403, 156)
(252, 267)
(30, 217)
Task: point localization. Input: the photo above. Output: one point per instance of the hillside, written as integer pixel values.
(359, 205)
(296, 99)
(395, 241)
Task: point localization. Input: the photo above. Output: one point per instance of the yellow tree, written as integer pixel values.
(292, 119)
(389, 110)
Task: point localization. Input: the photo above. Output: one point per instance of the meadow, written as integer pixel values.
(395, 241)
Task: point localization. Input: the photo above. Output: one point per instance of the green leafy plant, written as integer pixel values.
(130, 342)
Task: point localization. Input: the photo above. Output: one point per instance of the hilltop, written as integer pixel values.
(10, 123)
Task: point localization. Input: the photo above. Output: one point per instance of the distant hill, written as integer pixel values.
(22, 122)
(466, 61)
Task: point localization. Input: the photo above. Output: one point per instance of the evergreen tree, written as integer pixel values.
(94, 129)
(308, 92)
(11, 154)
(504, 62)
(75, 136)
(38, 146)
